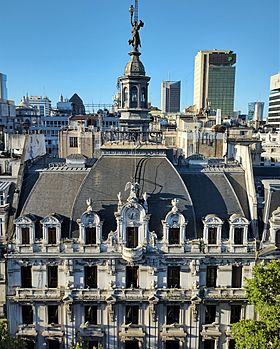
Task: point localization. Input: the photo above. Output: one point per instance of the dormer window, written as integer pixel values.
(238, 229)
(174, 236)
(90, 227)
(174, 227)
(25, 236)
(131, 237)
(25, 229)
(52, 236)
(90, 234)
(212, 230)
(51, 228)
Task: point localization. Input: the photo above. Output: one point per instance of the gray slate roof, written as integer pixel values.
(216, 193)
(156, 176)
(54, 192)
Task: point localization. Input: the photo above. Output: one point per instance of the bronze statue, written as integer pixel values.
(135, 41)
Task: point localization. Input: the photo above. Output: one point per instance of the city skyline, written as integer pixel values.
(65, 49)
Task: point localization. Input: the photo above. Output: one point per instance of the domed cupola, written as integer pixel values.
(133, 103)
(134, 67)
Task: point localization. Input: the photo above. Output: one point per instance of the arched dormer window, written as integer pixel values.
(90, 226)
(238, 230)
(125, 97)
(25, 229)
(212, 230)
(134, 97)
(52, 229)
(174, 226)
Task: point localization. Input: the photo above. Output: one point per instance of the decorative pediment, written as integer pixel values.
(89, 217)
(238, 219)
(53, 219)
(174, 218)
(26, 219)
(212, 219)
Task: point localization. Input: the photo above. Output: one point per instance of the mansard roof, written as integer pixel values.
(222, 193)
(155, 175)
(200, 192)
(54, 191)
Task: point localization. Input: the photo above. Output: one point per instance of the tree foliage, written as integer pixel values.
(6, 340)
(263, 291)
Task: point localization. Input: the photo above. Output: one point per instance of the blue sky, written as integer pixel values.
(58, 46)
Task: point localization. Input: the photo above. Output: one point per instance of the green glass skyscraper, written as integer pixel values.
(214, 81)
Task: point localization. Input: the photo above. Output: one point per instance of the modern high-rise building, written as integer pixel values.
(273, 118)
(3, 88)
(214, 80)
(43, 104)
(170, 96)
(255, 111)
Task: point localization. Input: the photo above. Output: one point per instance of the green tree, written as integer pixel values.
(263, 290)
(6, 340)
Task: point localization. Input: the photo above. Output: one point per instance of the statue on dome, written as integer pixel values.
(135, 41)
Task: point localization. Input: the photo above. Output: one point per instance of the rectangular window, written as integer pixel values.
(27, 314)
(238, 236)
(131, 314)
(90, 235)
(172, 314)
(173, 277)
(91, 314)
(210, 313)
(172, 344)
(91, 277)
(235, 313)
(212, 236)
(131, 345)
(209, 344)
(132, 277)
(25, 236)
(26, 277)
(73, 142)
(231, 344)
(211, 276)
(174, 236)
(236, 280)
(52, 314)
(131, 237)
(52, 276)
(51, 236)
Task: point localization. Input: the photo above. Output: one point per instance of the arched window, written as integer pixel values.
(143, 98)
(134, 97)
(125, 97)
